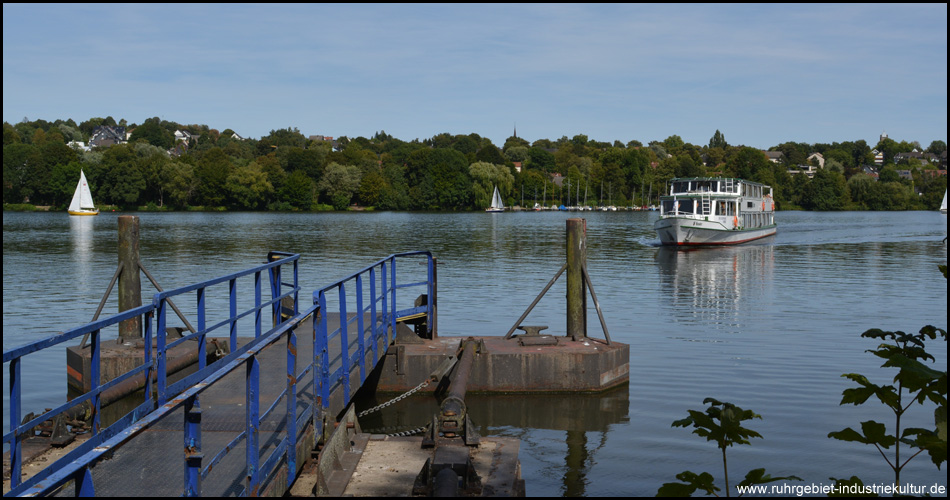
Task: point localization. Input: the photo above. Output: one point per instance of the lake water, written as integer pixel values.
(769, 326)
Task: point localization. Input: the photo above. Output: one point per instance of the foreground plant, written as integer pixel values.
(720, 423)
(914, 382)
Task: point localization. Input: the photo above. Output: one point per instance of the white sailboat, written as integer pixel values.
(943, 204)
(82, 199)
(496, 204)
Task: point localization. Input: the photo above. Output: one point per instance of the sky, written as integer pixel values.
(760, 74)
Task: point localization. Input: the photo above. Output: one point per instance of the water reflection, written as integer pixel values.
(523, 417)
(714, 284)
(82, 230)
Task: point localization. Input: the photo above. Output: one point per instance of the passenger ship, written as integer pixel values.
(715, 211)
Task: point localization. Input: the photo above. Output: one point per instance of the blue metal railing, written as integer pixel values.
(76, 464)
(328, 375)
(21, 431)
(336, 372)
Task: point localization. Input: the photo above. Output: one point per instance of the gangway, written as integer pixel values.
(241, 425)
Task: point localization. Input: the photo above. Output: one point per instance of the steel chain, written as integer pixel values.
(409, 432)
(396, 399)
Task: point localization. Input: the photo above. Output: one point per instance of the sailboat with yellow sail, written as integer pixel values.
(82, 199)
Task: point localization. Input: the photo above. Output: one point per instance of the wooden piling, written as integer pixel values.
(130, 284)
(576, 288)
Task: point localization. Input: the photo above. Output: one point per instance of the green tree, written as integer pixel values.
(276, 174)
(339, 184)
(438, 180)
(312, 161)
(514, 142)
(485, 177)
(248, 187)
(288, 137)
(121, 181)
(178, 181)
(63, 182)
(718, 141)
(517, 153)
(372, 186)
(826, 191)
(152, 132)
(673, 143)
(686, 167)
(297, 191)
(212, 172)
(936, 147)
(542, 160)
(746, 163)
(490, 154)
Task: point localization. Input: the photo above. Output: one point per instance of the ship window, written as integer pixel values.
(686, 206)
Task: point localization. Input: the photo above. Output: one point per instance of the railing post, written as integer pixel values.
(160, 351)
(147, 355)
(317, 363)
(576, 289)
(252, 424)
(84, 486)
(392, 300)
(344, 344)
(95, 369)
(258, 317)
(203, 322)
(232, 310)
(384, 292)
(16, 448)
(130, 284)
(372, 315)
(296, 290)
(275, 292)
(360, 327)
(323, 337)
(432, 314)
(292, 404)
(193, 454)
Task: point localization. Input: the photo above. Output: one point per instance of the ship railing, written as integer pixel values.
(364, 305)
(77, 464)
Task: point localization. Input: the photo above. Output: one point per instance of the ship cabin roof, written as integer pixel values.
(717, 186)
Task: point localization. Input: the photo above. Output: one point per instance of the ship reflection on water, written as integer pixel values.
(714, 283)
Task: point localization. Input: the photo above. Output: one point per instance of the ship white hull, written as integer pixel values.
(683, 231)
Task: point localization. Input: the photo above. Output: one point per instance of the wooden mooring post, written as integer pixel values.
(576, 288)
(130, 284)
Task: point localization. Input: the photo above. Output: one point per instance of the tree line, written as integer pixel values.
(286, 171)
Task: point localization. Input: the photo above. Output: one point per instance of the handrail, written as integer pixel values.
(382, 324)
(77, 464)
(153, 367)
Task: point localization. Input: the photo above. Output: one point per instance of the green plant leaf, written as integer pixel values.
(876, 433)
(691, 483)
(873, 433)
(758, 476)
